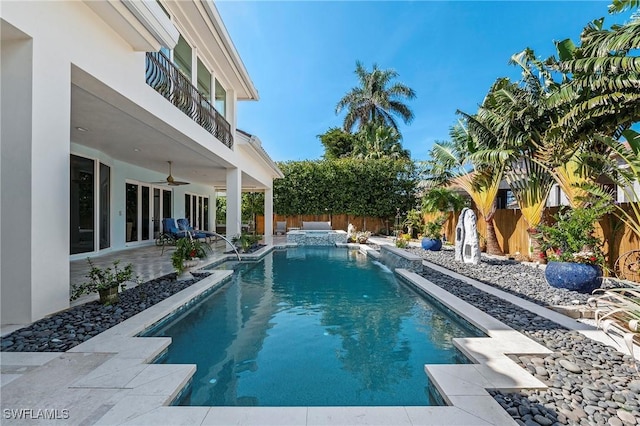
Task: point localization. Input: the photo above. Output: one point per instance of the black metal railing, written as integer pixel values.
(166, 79)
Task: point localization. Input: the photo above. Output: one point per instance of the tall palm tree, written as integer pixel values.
(376, 99)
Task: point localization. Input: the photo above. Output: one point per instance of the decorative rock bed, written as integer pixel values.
(62, 331)
(589, 383)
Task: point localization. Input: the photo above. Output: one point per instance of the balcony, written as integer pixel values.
(166, 79)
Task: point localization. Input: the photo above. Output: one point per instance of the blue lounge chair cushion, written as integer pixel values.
(183, 225)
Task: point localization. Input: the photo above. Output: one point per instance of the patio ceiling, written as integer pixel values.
(124, 131)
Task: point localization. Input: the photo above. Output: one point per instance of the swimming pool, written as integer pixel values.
(313, 326)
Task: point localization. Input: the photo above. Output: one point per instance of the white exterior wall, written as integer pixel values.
(64, 43)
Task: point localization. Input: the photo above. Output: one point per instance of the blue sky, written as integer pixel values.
(301, 56)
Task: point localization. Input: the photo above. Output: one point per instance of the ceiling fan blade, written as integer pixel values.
(170, 180)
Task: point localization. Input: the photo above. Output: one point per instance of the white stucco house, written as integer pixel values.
(98, 96)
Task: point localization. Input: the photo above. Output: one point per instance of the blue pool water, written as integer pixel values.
(312, 327)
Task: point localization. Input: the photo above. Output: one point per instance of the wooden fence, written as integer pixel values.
(511, 230)
(510, 226)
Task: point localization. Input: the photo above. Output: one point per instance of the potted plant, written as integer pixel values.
(188, 253)
(105, 281)
(573, 252)
(432, 239)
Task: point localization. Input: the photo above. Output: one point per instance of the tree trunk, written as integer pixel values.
(536, 250)
(492, 239)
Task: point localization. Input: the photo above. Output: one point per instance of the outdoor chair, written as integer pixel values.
(170, 233)
(184, 226)
(281, 228)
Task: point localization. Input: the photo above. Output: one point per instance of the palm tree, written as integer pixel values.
(453, 158)
(376, 141)
(375, 100)
(513, 122)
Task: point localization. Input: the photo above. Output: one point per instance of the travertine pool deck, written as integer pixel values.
(109, 379)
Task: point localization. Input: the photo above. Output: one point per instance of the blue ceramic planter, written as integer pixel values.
(573, 276)
(433, 245)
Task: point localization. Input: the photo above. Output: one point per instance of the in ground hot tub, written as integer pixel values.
(316, 237)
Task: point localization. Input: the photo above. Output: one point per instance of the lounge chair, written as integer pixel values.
(281, 228)
(184, 226)
(170, 233)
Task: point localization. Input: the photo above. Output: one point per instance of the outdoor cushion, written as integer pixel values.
(316, 226)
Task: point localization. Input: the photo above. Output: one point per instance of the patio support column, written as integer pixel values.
(234, 202)
(34, 182)
(268, 216)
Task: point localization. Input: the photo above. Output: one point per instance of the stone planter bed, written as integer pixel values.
(589, 383)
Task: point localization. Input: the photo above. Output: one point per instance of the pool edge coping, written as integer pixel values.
(462, 386)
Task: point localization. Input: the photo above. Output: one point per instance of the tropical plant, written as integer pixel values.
(433, 229)
(626, 175)
(531, 184)
(188, 249)
(617, 311)
(453, 159)
(337, 143)
(245, 241)
(402, 241)
(103, 278)
(414, 221)
(375, 141)
(362, 237)
(442, 199)
(375, 99)
(572, 237)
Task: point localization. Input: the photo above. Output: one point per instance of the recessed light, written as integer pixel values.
(136, 149)
(81, 129)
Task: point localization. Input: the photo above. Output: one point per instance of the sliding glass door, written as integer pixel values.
(146, 207)
(196, 210)
(90, 205)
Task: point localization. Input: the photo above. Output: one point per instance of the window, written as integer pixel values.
(196, 210)
(204, 80)
(82, 205)
(221, 99)
(90, 192)
(105, 206)
(182, 57)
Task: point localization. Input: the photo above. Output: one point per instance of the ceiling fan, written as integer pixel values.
(171, 181)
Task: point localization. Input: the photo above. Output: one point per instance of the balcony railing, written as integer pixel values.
(166, 79)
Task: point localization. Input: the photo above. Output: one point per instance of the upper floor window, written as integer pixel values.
(221, 99)
(204, 80)
(182, 57)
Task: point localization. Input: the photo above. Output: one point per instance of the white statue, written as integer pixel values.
(471, 246)
(459, 236)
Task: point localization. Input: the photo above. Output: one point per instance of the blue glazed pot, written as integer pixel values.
(573, 276)
(433, 245)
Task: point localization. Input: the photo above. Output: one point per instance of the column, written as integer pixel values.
(268, 216)
(234, 202)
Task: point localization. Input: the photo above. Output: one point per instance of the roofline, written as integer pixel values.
(240, 69)
(256, 144)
